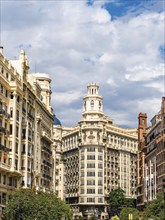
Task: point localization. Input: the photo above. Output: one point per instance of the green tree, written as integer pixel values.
(115, 218)
(126, 211)
(116, 201)
(28, 204)
(155, 208)
(92, 217)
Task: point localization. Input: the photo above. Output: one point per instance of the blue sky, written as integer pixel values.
(117, 43)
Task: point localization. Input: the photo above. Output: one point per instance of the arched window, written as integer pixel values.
(99, 105)
(92, 104)
(85, 105)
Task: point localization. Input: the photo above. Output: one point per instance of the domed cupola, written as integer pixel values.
(93, 107)
(56, 121)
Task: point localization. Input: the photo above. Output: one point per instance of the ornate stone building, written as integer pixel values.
(26, 123)
(97, 156)
(151, 156)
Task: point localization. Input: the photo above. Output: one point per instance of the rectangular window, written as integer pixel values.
(90, 182)
(90, 173)
(100, 157)
(11, 112)
(90, 157)
(90, 191)
(11, 129)
(100, 200)
(100, 183)
(17, 131)
(90, 149)
(82, 165)
(100, 191)
(100, 174)
(17, 115)
(100, 149)
(100, 165)
(90, 199)
(90, 165)
(82, 174)
(82, 191)
(4, 179)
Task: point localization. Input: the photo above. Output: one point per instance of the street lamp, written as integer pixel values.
(164, 195)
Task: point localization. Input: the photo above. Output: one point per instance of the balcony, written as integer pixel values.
(4, 166)
(3, 148)
(4, 112)
(2, 129)
(46, 176)
(30, 115)
(47, 137)
(47, 163)
(44, 148)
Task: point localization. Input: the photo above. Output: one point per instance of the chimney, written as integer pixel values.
(1, 49)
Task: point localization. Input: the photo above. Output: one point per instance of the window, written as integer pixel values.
(100, 200)
(90, 199)
(100, 157)
(100, 183)
(90, 149)
(82, 174)
(11, 129)
(90, 191)
(91, 165)
(92, 104)
(90, 182)
(100, 165)
(17, 115)
(11, 95)
(81, 199)
(82, 191)
(4, 179)
(100, 149)
(90, 173)
(100, 191)
(82, 182)
(11, 112)
(17, 131)
(100, 174)
(82, 165)
(90, 157)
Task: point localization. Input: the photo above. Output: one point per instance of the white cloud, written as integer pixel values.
(142, 73)
(65, 98)
(76, 44)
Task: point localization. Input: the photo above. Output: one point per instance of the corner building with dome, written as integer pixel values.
(93, 158)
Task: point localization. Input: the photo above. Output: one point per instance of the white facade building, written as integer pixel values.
(97, 157)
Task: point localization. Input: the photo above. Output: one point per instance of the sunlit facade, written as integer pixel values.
(26, 122)
(98, 157)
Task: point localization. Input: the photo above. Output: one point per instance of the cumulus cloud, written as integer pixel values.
(77, 42)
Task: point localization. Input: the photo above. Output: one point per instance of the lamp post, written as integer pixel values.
(164, 195)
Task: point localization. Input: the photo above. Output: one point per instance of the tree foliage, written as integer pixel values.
(155, 208)
(93, 217)
(28, 204)
(126, 211)
(115, 218)
(116, 201)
